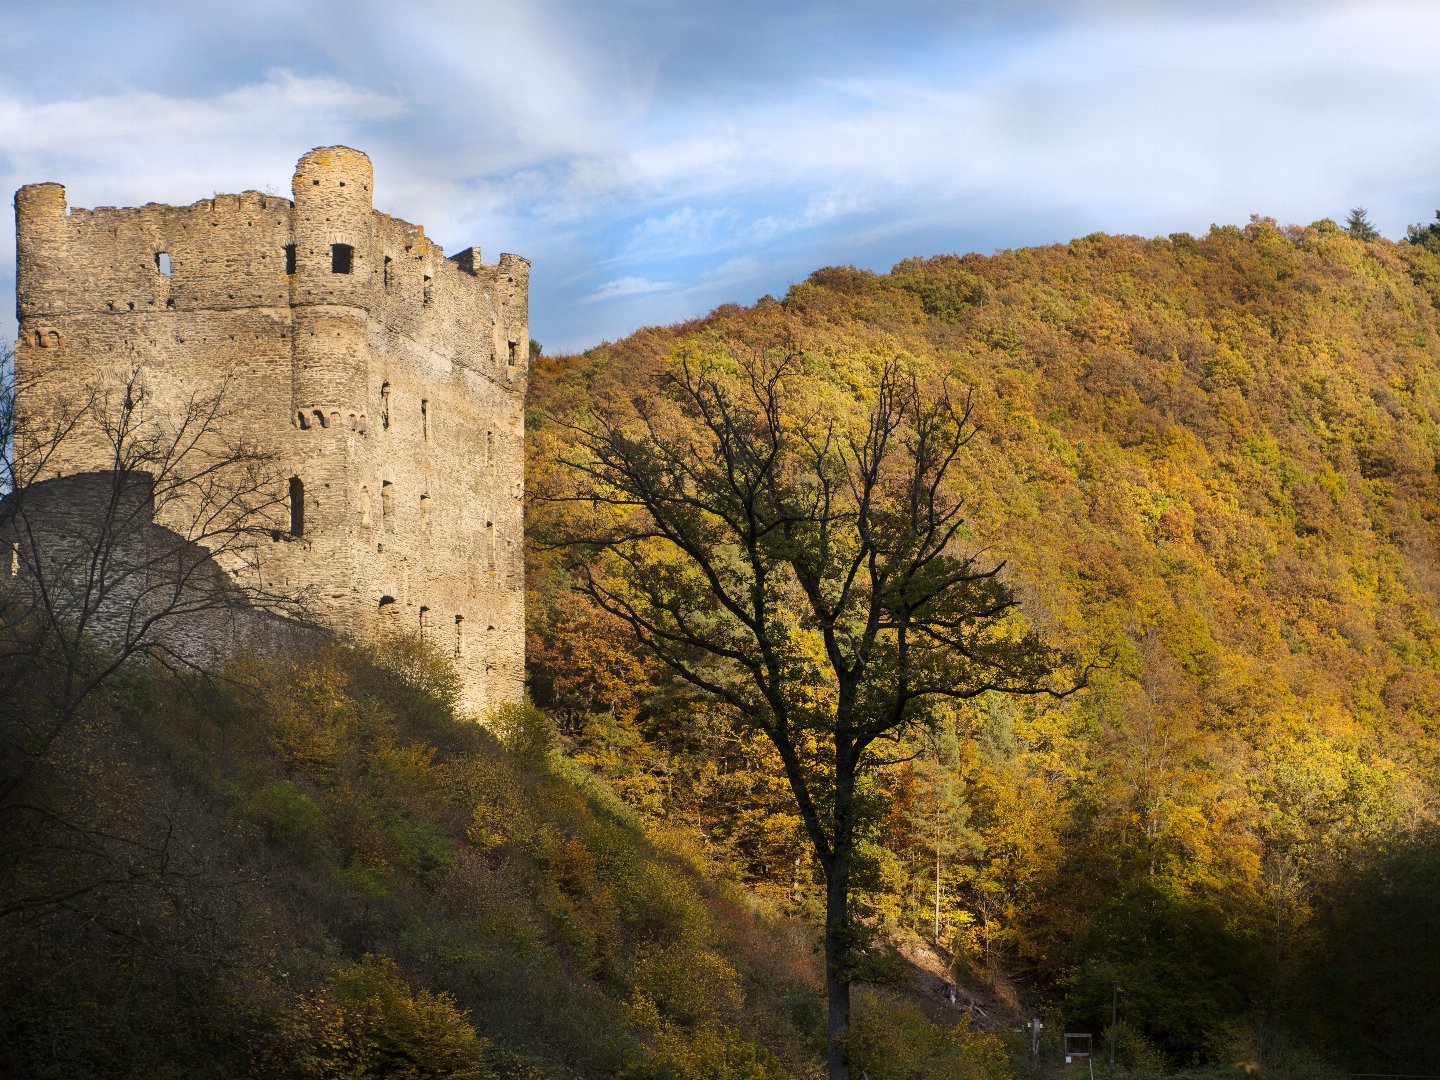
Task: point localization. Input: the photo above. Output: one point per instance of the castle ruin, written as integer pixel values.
(387, 380)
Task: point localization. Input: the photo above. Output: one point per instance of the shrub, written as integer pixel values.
(367, 1023)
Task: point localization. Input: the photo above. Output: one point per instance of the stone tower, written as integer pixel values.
(388, 380)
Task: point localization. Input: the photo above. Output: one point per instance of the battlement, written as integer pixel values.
(389, 379)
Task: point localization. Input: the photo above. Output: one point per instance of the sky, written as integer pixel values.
(656, 158)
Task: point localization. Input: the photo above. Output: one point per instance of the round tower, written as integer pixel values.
(333, 263)
(40, 249)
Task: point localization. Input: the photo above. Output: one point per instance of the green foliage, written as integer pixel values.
(1359, 226)
(367, 1024)
(524, 730)
(891, 1039)
(1425, 235)
(1133, 1051)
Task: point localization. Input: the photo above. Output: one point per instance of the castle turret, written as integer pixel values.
(333, 265)
(40, 276)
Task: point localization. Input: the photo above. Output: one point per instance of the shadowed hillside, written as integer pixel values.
(313, 869)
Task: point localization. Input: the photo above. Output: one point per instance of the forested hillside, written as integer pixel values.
(1209, 463)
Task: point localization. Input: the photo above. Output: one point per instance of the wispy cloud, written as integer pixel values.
(627, 286)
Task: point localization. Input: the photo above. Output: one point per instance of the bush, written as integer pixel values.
(891, 1039)
(367, 1023)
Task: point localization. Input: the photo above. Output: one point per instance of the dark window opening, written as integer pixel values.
(424, 418)
(304, 420)
(289, 258)
(387, 601)
(342, 257)
(162, 262)
(514, 350)
(387, 273)
(387, 509)
(427, 289)
(320, 419)
(459, 634)
(385, 406)
(297, 507)
(424, 618)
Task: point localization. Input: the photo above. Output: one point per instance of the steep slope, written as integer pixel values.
(313, 869)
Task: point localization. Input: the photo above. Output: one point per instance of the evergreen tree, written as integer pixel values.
(1359, 226)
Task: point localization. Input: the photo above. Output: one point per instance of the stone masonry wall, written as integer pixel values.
(388, 380)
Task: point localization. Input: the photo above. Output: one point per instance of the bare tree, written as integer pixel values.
(148, 552)
(802, 559)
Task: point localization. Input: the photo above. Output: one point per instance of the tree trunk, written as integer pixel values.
(837, 968)
(937, 894)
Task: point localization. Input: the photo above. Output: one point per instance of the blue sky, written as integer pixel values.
(654, 159)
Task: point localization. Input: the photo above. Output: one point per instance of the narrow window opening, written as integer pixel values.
(289, 258)
(424, 620)
(385, 406)
(387, 511)
(354, 422)
(424, 418)
(342, 257)
(162, 262)
(489, 448)
(297, 507)
(387, 269)
(459, 635)
(427, 289)
(304, 420)
(320, 419)
(514, 352)
(490, 545)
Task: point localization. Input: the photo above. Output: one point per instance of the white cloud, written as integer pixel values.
(627, 286)
(139, 145)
